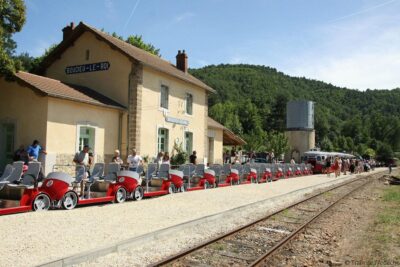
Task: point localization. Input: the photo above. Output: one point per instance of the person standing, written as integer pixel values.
(328, 166)
(134, 161)
(159, 159)
(166, 159)
(336, 166)
(272, 156)
(82, 158)
(34, 150)
(292, 161)
(193, 158)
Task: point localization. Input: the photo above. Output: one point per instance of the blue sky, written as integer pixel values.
(352, 43)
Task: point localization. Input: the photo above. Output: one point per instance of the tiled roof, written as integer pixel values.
(55, 88)
(129, 50)
(214, 124)
(229, 138)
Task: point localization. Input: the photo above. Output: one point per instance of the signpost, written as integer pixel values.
(99, 66)
(177, 121)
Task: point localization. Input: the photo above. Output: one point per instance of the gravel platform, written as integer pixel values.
(30, 239)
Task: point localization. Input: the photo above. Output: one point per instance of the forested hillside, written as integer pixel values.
(251, 100)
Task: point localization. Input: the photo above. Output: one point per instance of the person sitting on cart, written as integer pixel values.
(83, 158)
(134, 161)
(117, 157)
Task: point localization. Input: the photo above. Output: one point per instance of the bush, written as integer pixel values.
(179, 155)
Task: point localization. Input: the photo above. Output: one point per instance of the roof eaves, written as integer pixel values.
(60, 96)
(31, 86)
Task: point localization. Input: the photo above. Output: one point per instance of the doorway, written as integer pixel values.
(7, 140)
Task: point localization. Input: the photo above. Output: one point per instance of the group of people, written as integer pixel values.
(354, 166)
(234, 156)
(31, 153)
(134, 160)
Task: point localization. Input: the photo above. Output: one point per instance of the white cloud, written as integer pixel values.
(182, 17)
(110, 9)
(360, 53)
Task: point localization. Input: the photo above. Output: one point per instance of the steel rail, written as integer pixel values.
(293, 234)
(232, 232)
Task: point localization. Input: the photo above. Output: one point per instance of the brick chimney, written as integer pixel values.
(67, 31)
(182, 61)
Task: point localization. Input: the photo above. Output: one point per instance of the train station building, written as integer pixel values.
(98, 90)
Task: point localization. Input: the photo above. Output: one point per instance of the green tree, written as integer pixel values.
(345, 119)
(326, 144)
(12, 18)
(277, 118)
(137, 40)
(255, 141)
(384, 152)
(278, 142)
(29, 63)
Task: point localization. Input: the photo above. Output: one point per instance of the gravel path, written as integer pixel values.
(30, 239)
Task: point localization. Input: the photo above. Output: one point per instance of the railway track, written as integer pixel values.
(253, 243)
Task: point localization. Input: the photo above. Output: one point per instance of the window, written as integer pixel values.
(164, 96)
(189, 142)
(189, 104)
(86, 137)
(87, 54)
(162, 139)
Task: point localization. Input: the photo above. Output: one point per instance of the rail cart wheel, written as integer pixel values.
(171, 189)
(206, 185)
(138, 193)
(41, 202)
(120, 195)
(70, 200)
(182, 189)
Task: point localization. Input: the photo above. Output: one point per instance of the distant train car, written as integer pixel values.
(317, 159)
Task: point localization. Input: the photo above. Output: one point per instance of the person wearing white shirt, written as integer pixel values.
(134, 161)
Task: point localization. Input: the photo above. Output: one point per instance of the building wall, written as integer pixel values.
(299, 142)
(112, 83)
(64, 119)
(26, 109)
(122, 81)
(153, 117)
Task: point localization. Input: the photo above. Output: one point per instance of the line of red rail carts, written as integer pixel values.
(20, 190)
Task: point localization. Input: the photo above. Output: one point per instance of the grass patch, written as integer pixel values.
(392, 194)
(218, 246)
(389, 217)
(384, 238)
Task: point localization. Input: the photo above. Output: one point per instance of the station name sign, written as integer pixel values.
(99, 66)
(177, 121)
